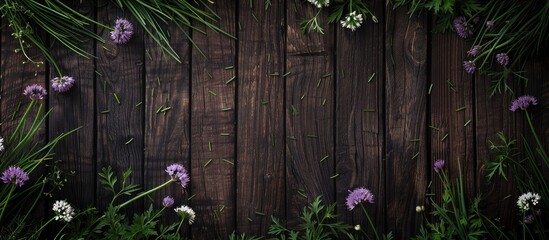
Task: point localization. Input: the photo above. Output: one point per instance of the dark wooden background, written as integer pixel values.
(304, 115)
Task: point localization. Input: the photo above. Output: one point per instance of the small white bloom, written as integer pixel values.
(1, 144)
(320, 3)
(357, 227)
(420, 209)
(186, 212)
(352, 21)
(63, 211)
(526, 199)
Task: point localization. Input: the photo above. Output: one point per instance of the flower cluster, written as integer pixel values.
(179, 173)
(359, 195)
(186, 213)
(15, 175)
(352, 21)
(320, 3)
(35, 92)
(474, 51)
(462, 27)
(527, 200)
(123, 31)
(168, 201)
(502, 59)
(469, 66)
(63, 211)
(523, 102)
(62, 84)
(439, 165)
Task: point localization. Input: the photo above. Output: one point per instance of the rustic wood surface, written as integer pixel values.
(271, 119)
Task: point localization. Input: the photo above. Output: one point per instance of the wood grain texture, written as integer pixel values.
(71, 110)
(120, 76)
(406, 119)
(167, 118)
(309, 114)
(16, 73)
(214, 128)
(492, 115)
(359, 118)
(260, 126)
(452, 107)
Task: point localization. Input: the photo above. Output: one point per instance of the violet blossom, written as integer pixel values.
(523, 102)
(123, 31)
(35, 92)
(359, 195)
(15, 175)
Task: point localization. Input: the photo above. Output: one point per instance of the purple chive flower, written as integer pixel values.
(167, 201)
(523, 102)
(35, 92)
(179, 173)
(474, 51)
(469, 66)
(528, 219)
(62, 84)
(463, 29)
(123, 31)
(502, 59)
(489, 24)
(439, 165)
(15, 175)
(357, 196)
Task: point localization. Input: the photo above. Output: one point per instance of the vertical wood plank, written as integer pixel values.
(406, 101)
(260, 140)
(492, 115)
(71, 110)
(451, 108)
(17, 72)
(119, 91)
(359, 117)
(167, 117)
(309, 113)
(214, 129)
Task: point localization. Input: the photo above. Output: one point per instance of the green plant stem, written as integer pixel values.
(146, 193)
(370, 221)
(179, 226)
(7, 199)
(42, 227)
(538, 142)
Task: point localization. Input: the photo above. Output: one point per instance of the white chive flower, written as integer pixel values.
(63, 211)
(527, 200)
(352, 21)
(320, 3)
(186, 213)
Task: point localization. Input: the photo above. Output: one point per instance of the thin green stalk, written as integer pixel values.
(179, 226)
(146, 193)
(370, 221)
(7, 200)
(540, 149)
(42, 228)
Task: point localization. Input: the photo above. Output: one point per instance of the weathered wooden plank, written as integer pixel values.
(359, 117)
(406, 101)
(119, 90)
(451, 128)
(71, 110)
(17, 72)
(260, 138)
(309, 113)
(167, 118)
(213, 128)
(492, 115)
